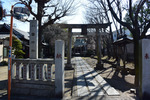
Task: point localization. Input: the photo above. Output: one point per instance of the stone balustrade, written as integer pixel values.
(33, 77)
(32, 69)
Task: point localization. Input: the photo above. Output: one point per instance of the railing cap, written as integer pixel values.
(28, 60)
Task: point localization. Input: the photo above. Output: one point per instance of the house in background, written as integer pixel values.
(80, 45)
(126, 41)
(4, 40)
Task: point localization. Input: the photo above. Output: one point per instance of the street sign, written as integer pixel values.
(21, 12)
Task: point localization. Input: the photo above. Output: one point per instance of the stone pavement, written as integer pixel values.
(90, 85)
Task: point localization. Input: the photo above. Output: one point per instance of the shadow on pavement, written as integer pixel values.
(3, 90)
(3, 85)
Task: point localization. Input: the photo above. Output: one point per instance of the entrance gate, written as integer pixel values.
(34, 76)
(84, 28)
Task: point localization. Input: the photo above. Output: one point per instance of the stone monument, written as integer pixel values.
(59, 68)
(145, 67)
(33, 52)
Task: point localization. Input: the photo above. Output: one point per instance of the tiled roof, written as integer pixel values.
(18, 33)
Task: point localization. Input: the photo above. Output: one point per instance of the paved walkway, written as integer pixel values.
(3, 80)
(90, 85)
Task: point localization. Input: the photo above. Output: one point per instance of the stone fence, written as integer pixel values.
(32, 77)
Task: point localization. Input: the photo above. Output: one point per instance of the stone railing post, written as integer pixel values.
(20, 71)
(59, 68)
(25, 71)
(33, 71)
(13, 71)
(17, 70)
(49, 72)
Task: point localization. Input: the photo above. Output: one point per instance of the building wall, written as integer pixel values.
(130, 52)
(130, 48)
(1, 52)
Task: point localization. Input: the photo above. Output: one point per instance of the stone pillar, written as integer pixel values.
(59, 68)
(33, 52)
(69, 53)
(144, 65)
(98, 65)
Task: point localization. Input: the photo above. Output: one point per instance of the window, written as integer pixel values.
(5, 52)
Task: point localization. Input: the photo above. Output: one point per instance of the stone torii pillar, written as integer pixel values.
(69, 53)
(99, 65)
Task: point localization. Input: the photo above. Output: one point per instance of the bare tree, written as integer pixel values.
(52, 33)
(134, 27)
(98, 12)
(52, 10)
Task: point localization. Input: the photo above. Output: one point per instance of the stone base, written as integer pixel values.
(68, 67)
(33, 88)
(99, 67)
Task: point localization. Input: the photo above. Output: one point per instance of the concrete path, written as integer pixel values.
(3, 80)
(89, 82)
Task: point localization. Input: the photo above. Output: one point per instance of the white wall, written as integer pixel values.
(1, 52)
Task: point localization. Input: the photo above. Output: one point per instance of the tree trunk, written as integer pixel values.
(136, 61)
(39, 18)
(39, 41)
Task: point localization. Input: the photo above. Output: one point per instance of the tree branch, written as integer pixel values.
(144, 23)
(138, 10)
(139, 7)
(116, 17)
(28, 4)
(145, 30)
(131, 12)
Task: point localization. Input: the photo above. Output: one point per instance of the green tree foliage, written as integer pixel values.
(17, 48)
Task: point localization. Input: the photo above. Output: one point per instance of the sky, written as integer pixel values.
(78, 18)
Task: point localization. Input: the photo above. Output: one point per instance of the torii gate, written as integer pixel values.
(84, 28)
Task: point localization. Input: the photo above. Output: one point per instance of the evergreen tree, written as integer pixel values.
(17, 48)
